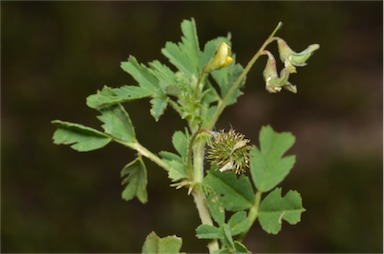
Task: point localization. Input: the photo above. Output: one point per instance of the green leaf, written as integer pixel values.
(237, 192)
(239, 223)
(226, 77)
(185, 55)
(154, 244)
(158, 107)
(207, 232)
(111, 96)
(81, 138)
(135, 178)
(216, 207)
(117, 123)
(177, 166)
(227, 238)
(274, 209)
(268, 167)
(165, 75)
(177, 171)
(240, 248)
(142, 75)
(180, 143)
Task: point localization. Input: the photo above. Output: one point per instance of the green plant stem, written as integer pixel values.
(205, 217)
(222, 104)
(146, 153)
(252, 214)
(198, 194)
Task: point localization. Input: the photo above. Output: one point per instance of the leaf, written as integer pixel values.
(158, 107)
(81, 138)
(268, 167)
(142, 75)
(216, 208)
(154, 244)
(226, 77)
(227, 238)
(237, 192)
(185, 55)
(239, 223)
(274, 209)
(177, 165)
(240, 248)
(180, 143)
(118, 123)
(177, 171)
(111, 96)
(165, 75)
(207, 232)
(135, 177)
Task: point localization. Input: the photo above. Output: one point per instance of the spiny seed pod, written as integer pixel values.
(229, 151)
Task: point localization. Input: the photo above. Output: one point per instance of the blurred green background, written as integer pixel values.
(54, 54)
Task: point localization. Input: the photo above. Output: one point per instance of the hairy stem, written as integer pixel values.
(222, 104)
(198, 194)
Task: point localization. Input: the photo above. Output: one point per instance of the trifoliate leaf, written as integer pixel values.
(268, 167)
(164, 74)
(156, 245)
(185, 55)
(81, 138)
(274, 209)
(177, 166)
(135, 178)
(226, 77)
(237, 193)
(207, 232)
(239, 223)
(142, 75)
(118, 123)
(180, 143)
(111, 96)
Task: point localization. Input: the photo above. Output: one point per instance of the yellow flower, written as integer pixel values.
(220, 60)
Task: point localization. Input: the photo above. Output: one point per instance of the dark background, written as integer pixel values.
(54, 54)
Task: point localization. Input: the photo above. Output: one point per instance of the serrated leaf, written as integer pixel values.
(207, 232)
(268, 167)
(135, 178)
(111, 96)
(237, 193)
(239, 223)
(180, 143)
(185, 55)
(226, 77)
(118, 123)
(155, 244)
(158, 107)
(81, 138)
(142, 75)
(216, 207)
(274, 209)
(164, 74)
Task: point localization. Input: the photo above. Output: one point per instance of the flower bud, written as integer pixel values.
(220, 60)
(291, 58)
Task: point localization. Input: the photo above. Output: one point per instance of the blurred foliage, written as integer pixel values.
(54, 54)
